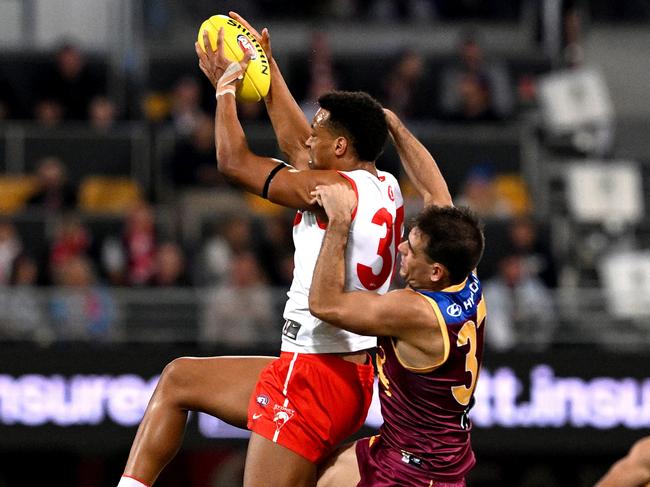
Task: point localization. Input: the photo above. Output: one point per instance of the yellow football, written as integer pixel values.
(237, 40)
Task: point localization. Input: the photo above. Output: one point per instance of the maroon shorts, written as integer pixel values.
(383, 466)
(309, 403)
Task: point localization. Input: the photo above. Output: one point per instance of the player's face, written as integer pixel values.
(415, 268)
(321, 142)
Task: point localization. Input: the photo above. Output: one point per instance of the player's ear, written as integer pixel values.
(340, 146)
(438, 272)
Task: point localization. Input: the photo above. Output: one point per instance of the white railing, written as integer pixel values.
(242, 317)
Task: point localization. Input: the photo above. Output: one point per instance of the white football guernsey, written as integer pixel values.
(370, 260)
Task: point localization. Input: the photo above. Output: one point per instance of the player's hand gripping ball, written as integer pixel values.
(237, 40)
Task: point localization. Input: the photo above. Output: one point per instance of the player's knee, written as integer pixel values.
(175, 377)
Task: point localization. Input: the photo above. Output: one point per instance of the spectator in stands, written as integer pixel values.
(10, 248)
(252, 111)
(284, 268)
(479, 192)
(274, 248)
(401, 89)
(185, 110)
(22, 317)
(193, 160)
(522, 309)
(139, 245)
(128, 258)
(473, 88)
(69, 86)
(322, 77)
(72, 239)
(48, 112)
(102, 113)
(24, 271)
(80, 309)
(475, 100)
(559, 34)
(240, 311)
(170, 268)
(526, 93)
(534, 250)
(113, 260)
(54, 193)
(227, 238)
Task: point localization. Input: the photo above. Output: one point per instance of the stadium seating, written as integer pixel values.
(102, 194)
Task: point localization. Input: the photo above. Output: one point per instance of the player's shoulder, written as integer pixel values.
(387, 177)
(394, 190)
(382, 180)
(408, 297)
(317, 176)
(417, 308)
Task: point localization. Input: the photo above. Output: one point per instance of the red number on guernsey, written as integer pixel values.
(368, 278)
(399, 221)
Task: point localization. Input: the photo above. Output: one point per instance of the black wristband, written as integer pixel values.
(269, 178)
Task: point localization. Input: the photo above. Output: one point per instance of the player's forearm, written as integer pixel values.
(231, 143)
(419, 164)
(289, 123)
(328, 282)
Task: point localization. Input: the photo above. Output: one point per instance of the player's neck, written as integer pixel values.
(356, 164)
(432, 286)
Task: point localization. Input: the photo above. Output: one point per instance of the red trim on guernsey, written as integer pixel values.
(136, 479)
(322, 224)
(397, 235)
(298, 218)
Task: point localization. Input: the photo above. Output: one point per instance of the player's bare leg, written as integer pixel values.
(341, 468)
(268, 463)
(219, 386)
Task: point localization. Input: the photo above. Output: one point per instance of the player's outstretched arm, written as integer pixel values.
(633, 470)
(263, 176)
(234, 159)
(419, 164)
(396, 314)
(289, 123)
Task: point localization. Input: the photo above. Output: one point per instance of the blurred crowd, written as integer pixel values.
(240, 247)
(468, 87)
(56, 281)
(159, 13)
(56, 278)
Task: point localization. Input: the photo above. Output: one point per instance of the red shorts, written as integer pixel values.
(383, 466)
(309, 403)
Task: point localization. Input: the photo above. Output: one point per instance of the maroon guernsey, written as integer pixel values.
(426, 431)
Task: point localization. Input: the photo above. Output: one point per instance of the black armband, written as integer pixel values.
(269, 178)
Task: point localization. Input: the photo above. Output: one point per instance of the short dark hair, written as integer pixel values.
(361, 118)
(455, 238)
